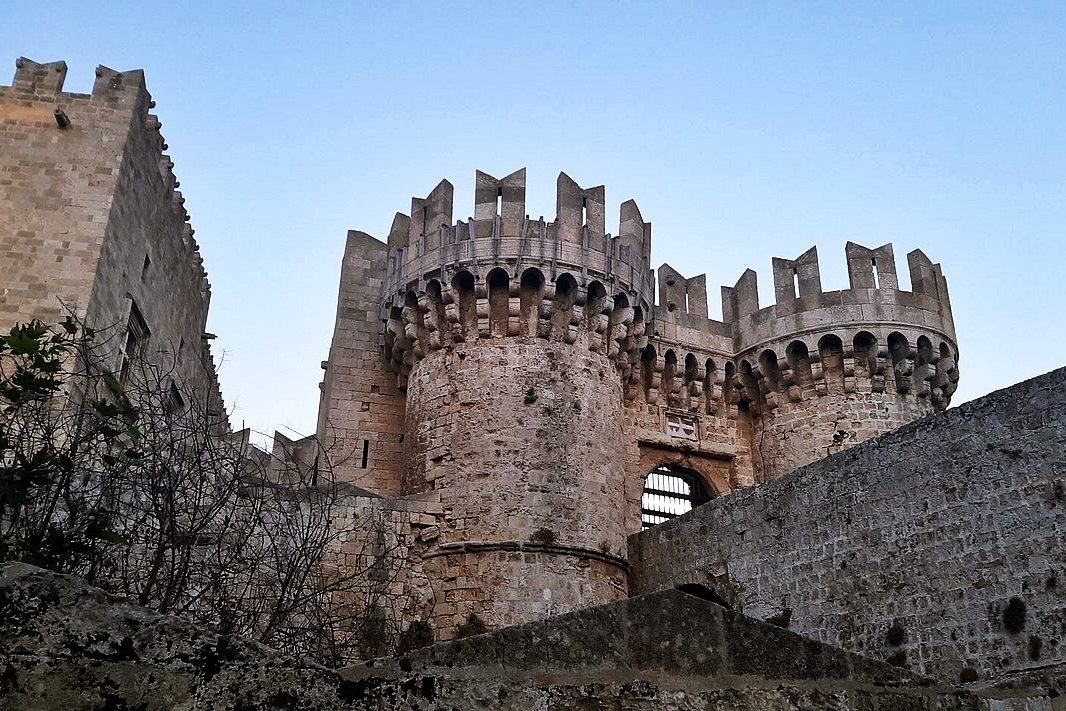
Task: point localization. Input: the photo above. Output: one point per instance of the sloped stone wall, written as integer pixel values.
(939, 546)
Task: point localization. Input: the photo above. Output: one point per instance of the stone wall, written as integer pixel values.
(938, 545)
(72, 647)
(90, 219)
(55, 189)
(794, 434)
(360, 420)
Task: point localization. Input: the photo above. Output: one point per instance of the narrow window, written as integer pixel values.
(877, 277)
(796, 282)
(584, 212)
(174, 401)
(499, 202)
(136, 341)
(366, 452)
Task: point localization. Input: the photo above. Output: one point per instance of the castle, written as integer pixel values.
(522, 374)
(514, 400)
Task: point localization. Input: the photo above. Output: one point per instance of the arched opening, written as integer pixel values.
(463, 285)
(749, 386)
(898, 351)
(595, 319)
(798, 358)
(710, 372)
(865, 344)
(670, 491)
(669, 385)
(692, 377)
(594, 306)
(499, 284)
(831, 352)
(413, 322)
(565, 296)
(531, 292)
(923, 366)
(947, 370)
(647, 370)
(770, 369)
(434, 316)
(729, 389)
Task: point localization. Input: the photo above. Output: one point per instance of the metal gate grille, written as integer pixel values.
(668, 493)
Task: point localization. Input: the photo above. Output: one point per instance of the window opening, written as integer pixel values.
(366, 452)
(584, 212)
(137, 334)
(877, 277)
(668, 493)
(174, 401)
(795, 282)
(499, 202)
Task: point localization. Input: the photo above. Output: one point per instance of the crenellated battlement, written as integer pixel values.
(501, 273)
(873, 337)
(873, 278)
(428, 244)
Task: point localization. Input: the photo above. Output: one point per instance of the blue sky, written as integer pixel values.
(743, 130)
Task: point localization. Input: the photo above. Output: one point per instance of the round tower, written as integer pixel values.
(514, 340)
(818, 371)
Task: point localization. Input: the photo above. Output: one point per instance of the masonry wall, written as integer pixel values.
(90, 219)
(797, 433)
(361, 409)
(55, 191)
(518, 437)
(74, 647)
(938, 545)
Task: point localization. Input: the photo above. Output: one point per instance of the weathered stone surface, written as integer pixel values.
(72, 647)
(535, 384)
(91, 220)
(932, 529)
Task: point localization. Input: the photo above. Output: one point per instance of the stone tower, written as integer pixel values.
(818, 371)
(516, 380)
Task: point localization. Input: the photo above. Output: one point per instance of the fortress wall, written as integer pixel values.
(934, 529)
(55, 191)
(361, 407)
(386, 539)
(90, 217)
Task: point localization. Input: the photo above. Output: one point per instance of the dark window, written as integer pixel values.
(174, 401)
(668, 493)
(136, 341)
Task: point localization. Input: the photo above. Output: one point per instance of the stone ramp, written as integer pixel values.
(67, 646)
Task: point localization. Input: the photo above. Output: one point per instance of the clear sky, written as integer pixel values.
(743, 130)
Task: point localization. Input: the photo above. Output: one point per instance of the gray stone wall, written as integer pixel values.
(72, 647)
(90, 219)
(939, 545)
